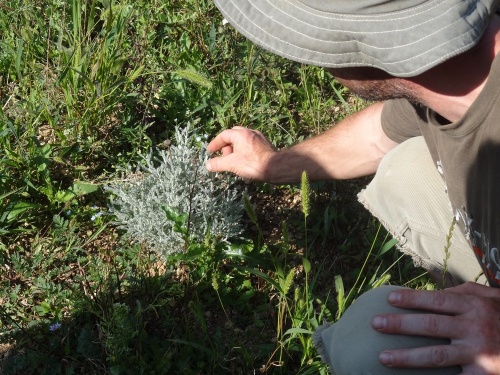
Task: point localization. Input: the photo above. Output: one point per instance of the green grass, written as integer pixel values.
(86, 88)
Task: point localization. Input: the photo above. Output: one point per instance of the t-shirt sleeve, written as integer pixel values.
(400, 120)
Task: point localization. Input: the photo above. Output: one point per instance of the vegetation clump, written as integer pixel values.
(175, 200)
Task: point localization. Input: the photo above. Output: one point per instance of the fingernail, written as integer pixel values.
(385, 358)
(395, 297)
(379, 322)
(208, 166)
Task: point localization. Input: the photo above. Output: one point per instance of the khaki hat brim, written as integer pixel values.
(403, 38)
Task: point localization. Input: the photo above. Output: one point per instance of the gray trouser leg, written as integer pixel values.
(351, 346)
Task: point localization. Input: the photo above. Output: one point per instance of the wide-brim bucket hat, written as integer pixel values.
(401, 37)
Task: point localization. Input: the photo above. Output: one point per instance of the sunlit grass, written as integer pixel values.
(89, 87)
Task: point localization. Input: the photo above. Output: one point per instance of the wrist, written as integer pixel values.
(282, 167)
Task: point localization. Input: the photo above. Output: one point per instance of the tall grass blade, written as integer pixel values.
(250, 210)
(19, 57)
(381, 281)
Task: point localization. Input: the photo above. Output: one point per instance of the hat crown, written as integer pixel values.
(361, 7)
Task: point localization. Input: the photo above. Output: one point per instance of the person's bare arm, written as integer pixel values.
(352, 148)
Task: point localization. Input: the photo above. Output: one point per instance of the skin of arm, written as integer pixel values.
(352, 148)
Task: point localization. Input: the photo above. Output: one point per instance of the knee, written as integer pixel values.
(352, 346)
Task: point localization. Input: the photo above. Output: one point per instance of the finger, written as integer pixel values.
(246, 132)
(435, 301)
(220, 164)
(427, 357)
(430, 325)
(226, 150)
(476, 290)
(226, 138)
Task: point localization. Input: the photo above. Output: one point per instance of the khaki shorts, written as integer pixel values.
(408, 196)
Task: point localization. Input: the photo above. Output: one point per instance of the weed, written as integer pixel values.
(176, 201)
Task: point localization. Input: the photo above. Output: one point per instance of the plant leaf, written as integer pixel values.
(82, 188)
(387, 246)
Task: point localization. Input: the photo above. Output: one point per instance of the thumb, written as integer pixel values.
(220, 164)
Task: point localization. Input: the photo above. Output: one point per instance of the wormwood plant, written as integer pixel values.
(172, 201)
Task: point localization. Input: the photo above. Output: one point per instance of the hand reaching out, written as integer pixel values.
(245, 152)
(469, 315)
(351, 148)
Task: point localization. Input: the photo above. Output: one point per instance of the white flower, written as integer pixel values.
(224, 22)
(95, 216)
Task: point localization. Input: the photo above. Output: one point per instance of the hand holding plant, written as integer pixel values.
(176, 200)
(245, 152)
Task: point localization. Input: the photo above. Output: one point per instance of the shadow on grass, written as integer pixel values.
(154, 325)
(128, 312)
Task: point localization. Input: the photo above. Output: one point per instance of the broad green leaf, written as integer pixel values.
(293, 331)
(306, 264)
(387, 246)
(64, 196)
(82, 188)
(339, 287)
(16, 209)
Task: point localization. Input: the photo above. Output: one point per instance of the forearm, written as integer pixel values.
(352, 148)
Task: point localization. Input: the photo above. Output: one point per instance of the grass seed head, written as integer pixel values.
(305, 191)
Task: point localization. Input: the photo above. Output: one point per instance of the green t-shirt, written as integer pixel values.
(467, 155)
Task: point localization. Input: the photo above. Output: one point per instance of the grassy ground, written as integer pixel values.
(86, 88)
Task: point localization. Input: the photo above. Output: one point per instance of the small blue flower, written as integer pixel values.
(55, 326)
(68, 212)
(96, 215)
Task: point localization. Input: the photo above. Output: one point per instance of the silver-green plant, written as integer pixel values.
(172, 201)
